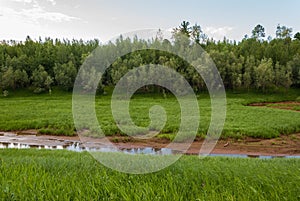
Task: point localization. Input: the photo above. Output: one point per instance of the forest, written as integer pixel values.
(255, 63)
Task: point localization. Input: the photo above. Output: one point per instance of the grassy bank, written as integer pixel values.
(63, 175)
(52, 114)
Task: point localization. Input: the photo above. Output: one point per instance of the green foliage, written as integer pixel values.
(90, 80)
(63, 175)
(7, 79)
(297, 36)
(294, 65)
(65, 75)
(239, 63)
(283, 75)
(258, 32)
(41, 81)
(283, 32)
(264, 75)
(21, 78)
(13, 79)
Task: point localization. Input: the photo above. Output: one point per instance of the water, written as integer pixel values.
(77, 147)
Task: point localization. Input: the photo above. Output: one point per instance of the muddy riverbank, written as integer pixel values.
(285, 145)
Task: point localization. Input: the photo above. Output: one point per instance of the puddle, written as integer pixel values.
(14, 141)
(77, 147)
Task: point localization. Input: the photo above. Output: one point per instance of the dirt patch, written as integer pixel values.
(282, 146)
(286, 105)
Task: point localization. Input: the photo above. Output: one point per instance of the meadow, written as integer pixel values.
(63, 175)
(52, 114)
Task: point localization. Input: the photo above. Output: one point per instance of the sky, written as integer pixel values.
(106, 19)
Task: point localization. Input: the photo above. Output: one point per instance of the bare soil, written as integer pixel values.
(286, 105)
(282, 146)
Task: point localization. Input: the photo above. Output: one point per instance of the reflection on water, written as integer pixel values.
(77, 147)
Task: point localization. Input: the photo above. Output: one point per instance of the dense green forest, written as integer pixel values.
(255, 63)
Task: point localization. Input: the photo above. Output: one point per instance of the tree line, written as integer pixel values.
(255, 63)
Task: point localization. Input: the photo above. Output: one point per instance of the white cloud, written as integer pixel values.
(24, 1)
(36, 12)
(218, 33)
(53, 2)
(17, 28)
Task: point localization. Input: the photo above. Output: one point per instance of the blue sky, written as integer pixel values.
(104, 19)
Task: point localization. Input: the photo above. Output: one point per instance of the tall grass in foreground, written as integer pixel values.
(63, 175)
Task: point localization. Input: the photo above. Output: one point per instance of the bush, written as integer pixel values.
(5, 93)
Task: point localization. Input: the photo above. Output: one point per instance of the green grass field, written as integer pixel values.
(52, 114)
(63, 175)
